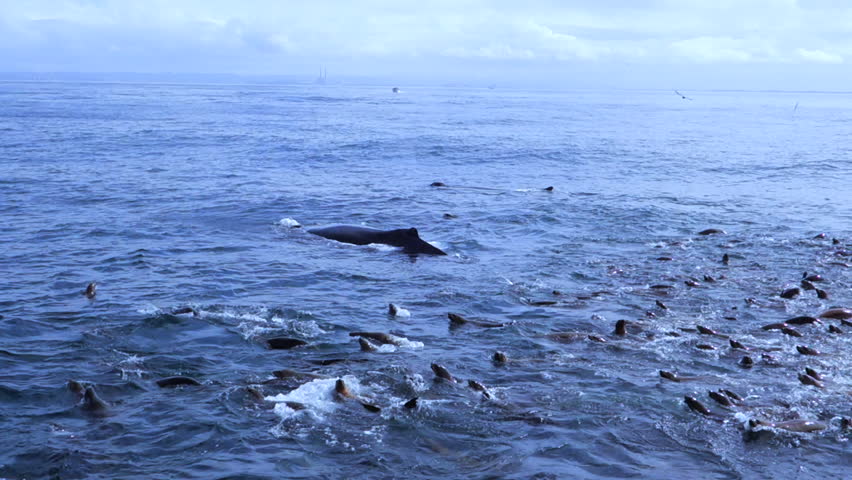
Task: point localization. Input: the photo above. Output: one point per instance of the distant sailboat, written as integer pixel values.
(323, 74)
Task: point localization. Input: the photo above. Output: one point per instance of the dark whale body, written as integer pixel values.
(407, 238)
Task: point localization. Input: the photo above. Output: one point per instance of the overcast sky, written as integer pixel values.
(792, 44)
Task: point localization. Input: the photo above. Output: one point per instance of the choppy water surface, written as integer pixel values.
(184, 196)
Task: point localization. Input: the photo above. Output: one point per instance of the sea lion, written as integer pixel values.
(806, 285)
(837, 313)
(499, 357)
(92, 402)
(712, 231)
(479, 388)
(733, 396)
(804, 350)
(775, 326)
(296, 405)
(407, 238)
(76, 387)
(342, 390)
(812, 278)
(833, 329)
(620, 328)
(706, 331)
(726, 259)
(746, 362)
(91, 290)
(596, 338)
(366, 345)
(691, 283)
(720, 398)
(803, 320)
(791, 293)
(705, 346)
(809, 380)
(176, 381)
(397, 311)
(457, 320)
(675, 378)
(450, 216)
(442, 372)
(709, 279)
(822, 294)
(286, 373)
(696, 406)
(813, 373)
(438, 184)
(769, 359)
(256, 394)
(662, 305)
(803, 426)
(736, 344)
(411, 403)
(383, 338)
(791, 332)
(284, 343)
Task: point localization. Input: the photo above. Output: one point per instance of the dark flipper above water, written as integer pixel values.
(407, 238)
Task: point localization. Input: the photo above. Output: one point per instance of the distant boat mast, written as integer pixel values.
(323, 74)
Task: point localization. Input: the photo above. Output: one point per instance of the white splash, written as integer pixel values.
(149, 309)
(382, 247)
(402, 312)
(317, 396)
(289, 222)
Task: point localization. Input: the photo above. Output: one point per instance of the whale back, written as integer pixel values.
(406, 238)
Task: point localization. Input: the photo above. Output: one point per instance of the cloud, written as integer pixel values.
(725, 49)
(818, 56)
(281, 36)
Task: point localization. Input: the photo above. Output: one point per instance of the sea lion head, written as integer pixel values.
(341, 389)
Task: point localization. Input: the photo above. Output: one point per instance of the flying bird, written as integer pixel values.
(682, 95)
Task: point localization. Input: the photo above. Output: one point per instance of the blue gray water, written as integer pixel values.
(172, 196)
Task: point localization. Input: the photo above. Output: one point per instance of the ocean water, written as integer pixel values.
(174, 196)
